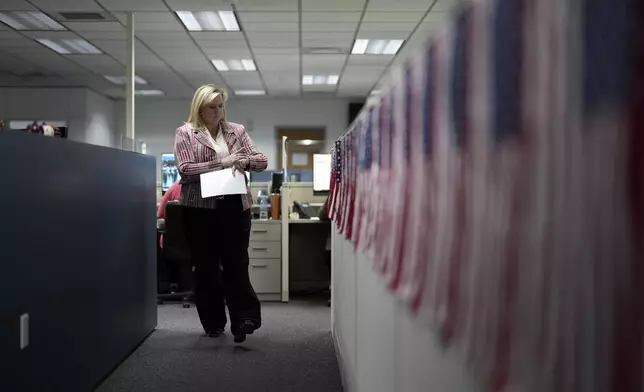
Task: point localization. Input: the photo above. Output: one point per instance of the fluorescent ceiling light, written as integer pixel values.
(306, 142)
(209, 20)
(123, 79)
(377, 46)
(250, 92)
(70, 46)
(29, 20)
(149, 93)
(234, 65)
(320, 79)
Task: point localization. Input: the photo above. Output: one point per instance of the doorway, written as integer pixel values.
(302, 143)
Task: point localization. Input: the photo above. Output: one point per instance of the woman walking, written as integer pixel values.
(218, 228)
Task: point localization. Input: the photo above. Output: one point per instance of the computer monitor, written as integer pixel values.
(169, 171)
(321, 173)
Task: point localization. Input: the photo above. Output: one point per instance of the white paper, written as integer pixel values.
(223, 182)
(321, 172)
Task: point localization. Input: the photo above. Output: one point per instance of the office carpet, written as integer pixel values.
(292, 352)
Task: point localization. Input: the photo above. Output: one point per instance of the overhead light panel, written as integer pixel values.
(320, 79)
(377, 46)
(122, 80)
(209, 20)
(149, 93)
(250, 92)
(70, 46)
(30, 20)
(234, 65)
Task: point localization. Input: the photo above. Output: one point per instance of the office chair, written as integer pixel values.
(176, 259)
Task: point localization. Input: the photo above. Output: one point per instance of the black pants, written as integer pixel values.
(218, 241)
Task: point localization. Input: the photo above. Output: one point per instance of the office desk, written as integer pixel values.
(308, 271)
(304, 221)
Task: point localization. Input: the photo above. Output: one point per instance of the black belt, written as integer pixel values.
(227, 197)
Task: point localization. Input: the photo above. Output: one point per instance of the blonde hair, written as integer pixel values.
(204, 96)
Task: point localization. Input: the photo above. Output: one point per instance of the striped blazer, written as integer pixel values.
(195, 156)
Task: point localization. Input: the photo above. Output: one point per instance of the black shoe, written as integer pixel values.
(245, 328)
(216, 333)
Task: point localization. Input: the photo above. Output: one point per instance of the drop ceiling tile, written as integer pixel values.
(284, 79)
(67, 5)
(340, 40)
(277, 62)
(227, 54)
(268, 50)
(358, 73)
(15, 5)
(331, 16)
(267, 5)
(160, 26)
(20, 42)
(187, 69)
(341, 35)
(129, 5)
(386, 27)
(241, 80)
(179, 54)
(400, 5)
(168, 39)
(209, 76)
(100, 63)
(436, 17)
(271, 26)
(392, 17)
(445, 5)
(349, 27)
(370, 60)
(112, 46)
(95, 26)
(323, 64)
(250, 17)
(333, 5)
(146, 17)
(50, 34)
(382, 34)
(223, 45)
(103, 35)
(279, 92)
(272, 39)
(218, 36)
(319, 88)
(199, 5)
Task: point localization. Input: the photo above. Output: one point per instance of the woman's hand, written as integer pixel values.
(230, 160)
(242, 163)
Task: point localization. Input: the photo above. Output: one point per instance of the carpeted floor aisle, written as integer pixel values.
(292, 352)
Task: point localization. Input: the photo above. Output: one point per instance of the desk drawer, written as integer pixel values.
(266, 275)
(261, 231)
(265, 249)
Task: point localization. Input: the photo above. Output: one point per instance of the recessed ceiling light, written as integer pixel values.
(234, 65)
(123, 79)
(209, 20)
(320, 79)
(149, 93)
(70, 46)
(377, 46)
(250, 92)
(29, 20)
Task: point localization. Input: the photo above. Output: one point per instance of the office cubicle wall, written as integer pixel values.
(77, 251)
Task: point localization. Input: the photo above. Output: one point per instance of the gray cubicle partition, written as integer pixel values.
(77, 254)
